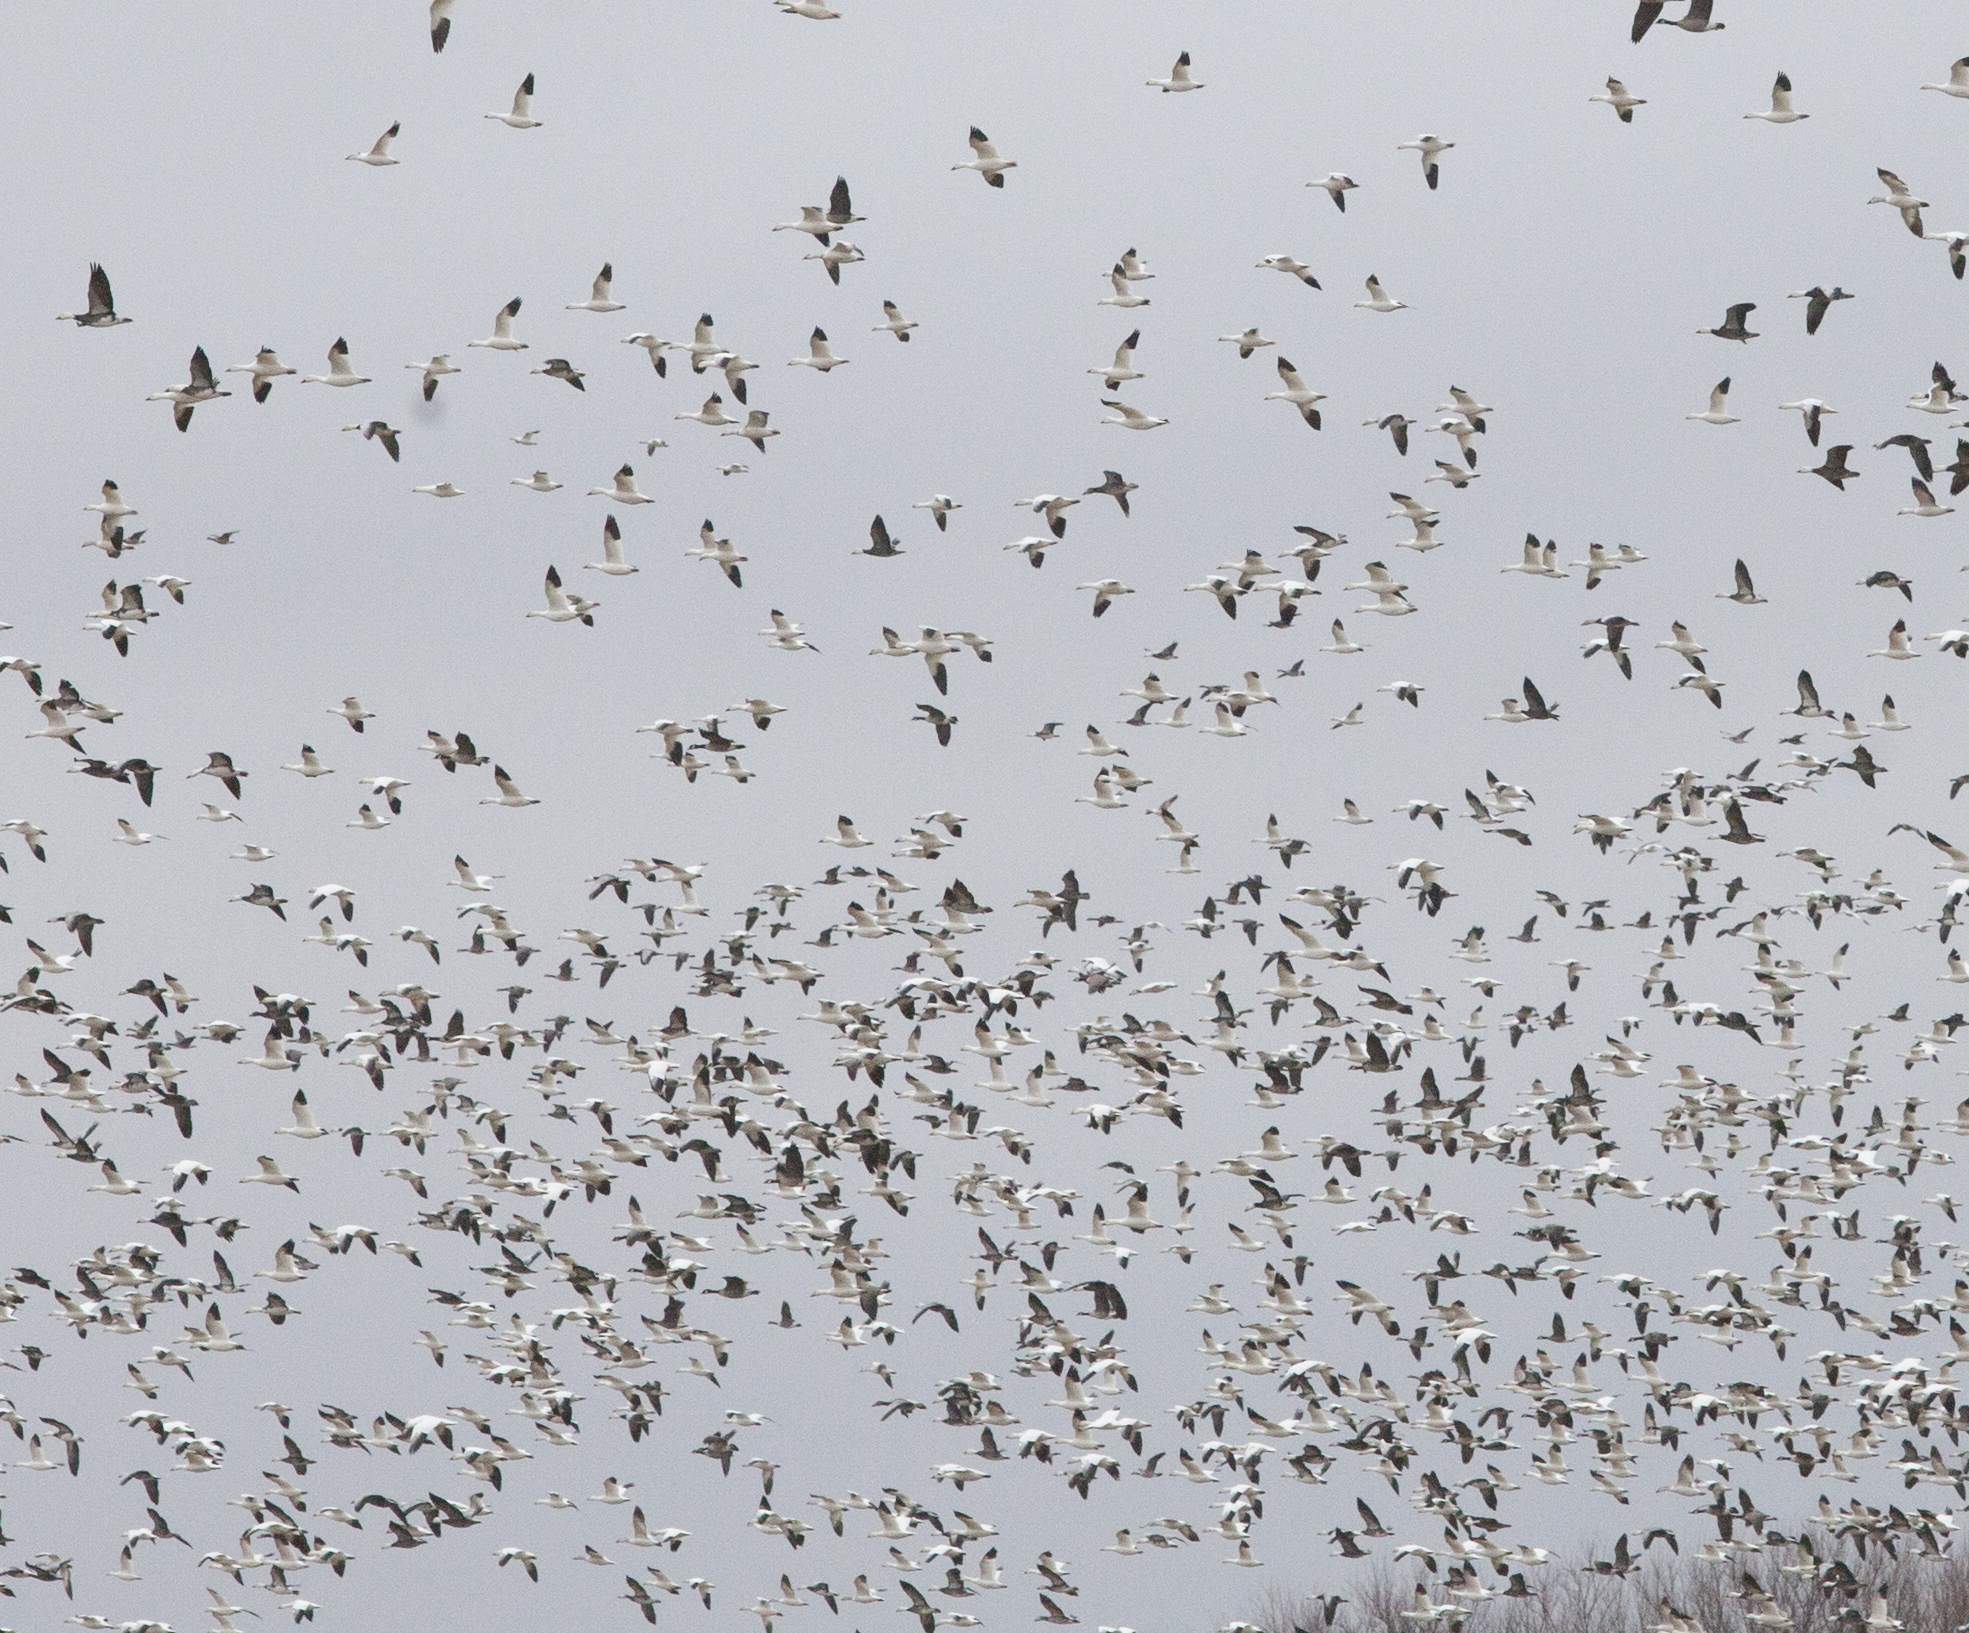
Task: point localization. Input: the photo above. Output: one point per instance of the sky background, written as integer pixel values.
(1560, 272)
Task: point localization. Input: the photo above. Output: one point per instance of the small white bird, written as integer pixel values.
(1621, 100)
(1958, 79)
(1130, 419)
(265, 368)
(939, 505)
(441, 490)
(433, 371)
(561, 607)
(1286, 263)
(1378, 299)
(1123, 295)
(521, 116)
(985, 160)
(819, 356)
(501, 339)
(1123, 367)
(1924, 502)
(1715, 414)
(623, 490)
(380, 153)
(1247, 342)
(1337, 187)
(1781, 111)
(895, 323)
(339, 373)
(611, 562)
(600, 299)
(538, 482)
(1179, 78)
(1428, 147)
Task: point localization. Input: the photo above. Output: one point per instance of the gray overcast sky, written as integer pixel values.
(1560, 273)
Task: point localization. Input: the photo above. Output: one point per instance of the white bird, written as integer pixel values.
(712, 413)
(380, 153)
(521, 116)
(623, 489)
(1179, 78)
(1898, 197)
(265, 368)
(1621, 100)
(1131, 419)
(600, 299)
(1958, 79)
(1896, 647)
(1286, 263)
(819, 356)
(611, 562)
(538, 482)
(939, 505)
(1297, 393)
(1378, 299)
(439, 366)
(1428, 147)
(1337, 186)
(441, 490)
(1814, 412)
(1123, 296)
(894, 322)
(985, 160)
(1924, 502)
(501, 339)
(184, 397)
(1249, 341)
(1719, 397)
(509, 791)
(562, 608)
(1781, 111)
(339, 373)
(1123, 366)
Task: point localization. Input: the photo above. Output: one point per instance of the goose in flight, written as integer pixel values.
(521, 116)
(339, 373)
(894, 322)
(939, 505)
(509, 791)
(1814, 412)
(1123, 295)
(611, 562)
(1336, 187)
(1117, 487)
(1717, 412)
(1378, 299)
(1732, 328)
(437, 490)
(838, 254)
(1123, 366)
(1297, 268)
(754, 430)
(1621, 100)
(559, 368)
(562, 608)
(721, 553)
(1925, 503)
(820, 355)
(440, 23)
(1898, 197)
(200, 388)
(1696, 20)
(1129, 419)
(881, 544)
(1818, 302)
(623, 489)
(600, 295)
(1941, 396)
(1179, 78)
(1917, 448)
(1896, 647)
(712, 413)
(1958, 79)
(787, 635)
(1247, 342)
(1781, 111)
(433, 371)
(101, 310)
(380, 154)
(1428, 147)
(538, 482)
(656, 346)
(501, 339)
(1297, 393)
(1834, 468)
(985, 160)
(821, 222)
(380, 432)
(265, 369)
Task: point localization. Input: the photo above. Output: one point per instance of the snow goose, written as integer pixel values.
(1123, 366)
(1297, 393)
(1818, 302)
(1336, 187)
(1732, 326)
(1179, 78)
(1428, 147)
(600, 298)
(894, 322)
(623, 489)
(1958, 79)
(1781, 111)
(1898, 197)
(1378, 299)
(265, 369)
(521, 116)
(1717, 413)
(200, 388)
(501, 339)
(819, 354)
(339, 373)
(985, 159)
(1621, 100)
(379, 154)
(1130, 419)
(101, 310)
(1297, 268)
